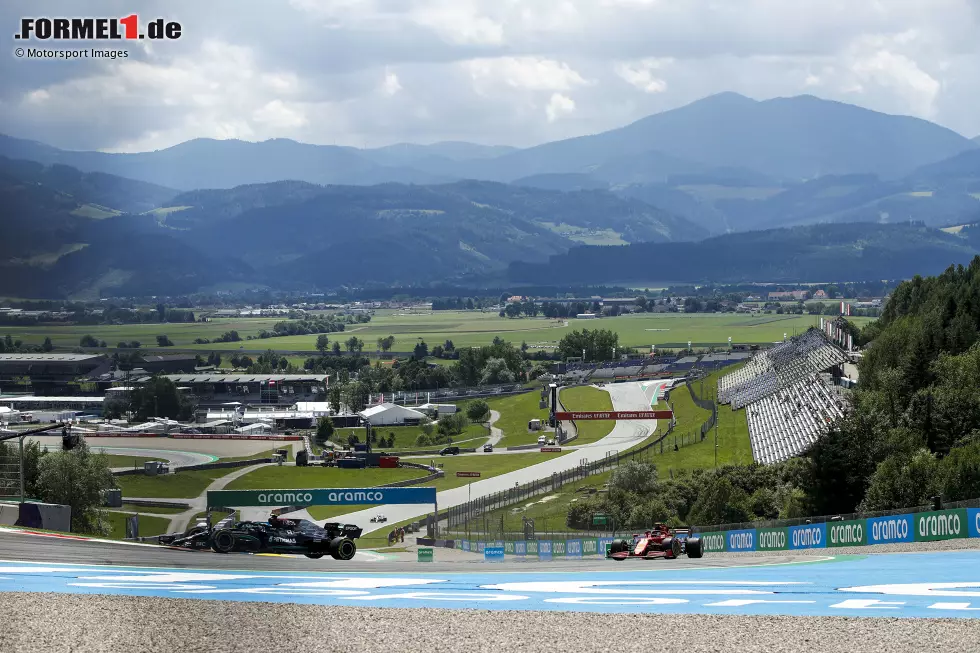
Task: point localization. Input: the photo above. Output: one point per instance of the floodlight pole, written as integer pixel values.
(22, 468)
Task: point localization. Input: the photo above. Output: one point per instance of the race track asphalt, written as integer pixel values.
(15, 546)
(624, 435)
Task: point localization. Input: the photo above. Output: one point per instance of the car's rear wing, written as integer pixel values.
(353, 531)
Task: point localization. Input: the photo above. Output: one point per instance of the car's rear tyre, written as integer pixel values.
(694, 547)
(223, 541)
(672, 546)
(342, 548)
(315, 556)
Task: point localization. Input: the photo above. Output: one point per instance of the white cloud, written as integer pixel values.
(641, 74)
(529, 73)
(278, 115)
(559, 105)
(391, 85)
(492, 71)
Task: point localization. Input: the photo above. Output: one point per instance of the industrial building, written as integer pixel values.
(216, 389)
(48, 374)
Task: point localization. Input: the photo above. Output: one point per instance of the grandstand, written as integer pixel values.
(788, 403)
(637, 369)
(786, 423)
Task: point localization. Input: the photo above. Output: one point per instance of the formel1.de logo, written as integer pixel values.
(97, 29)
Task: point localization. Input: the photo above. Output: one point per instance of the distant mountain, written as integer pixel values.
(725, 136)
(785, 138)
(61, 244)
(394, 233)
(563, 181)
(208, 163)
(109, 191)
(843, 252)
(292, 233)
(960, 172)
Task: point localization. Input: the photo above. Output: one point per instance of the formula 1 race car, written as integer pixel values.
(275, 536)
(661, 542)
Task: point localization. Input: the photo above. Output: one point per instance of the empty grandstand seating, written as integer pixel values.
(788, 422)
(788, 405)
(639, 368)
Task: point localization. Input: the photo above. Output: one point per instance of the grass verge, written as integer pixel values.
(587, 399)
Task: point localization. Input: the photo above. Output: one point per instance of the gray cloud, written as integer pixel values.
(374, 72)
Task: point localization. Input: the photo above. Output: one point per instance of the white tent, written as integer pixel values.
(390, 414)
(258, 427)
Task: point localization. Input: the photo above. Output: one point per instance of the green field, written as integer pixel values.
(405, 436)
(155, 510)
(733, 448)
(294, 478)
(488, 466)
(182, 485)
(464, 328)
(588, 399)
(515, 412)
(128, 461)
(149, 526)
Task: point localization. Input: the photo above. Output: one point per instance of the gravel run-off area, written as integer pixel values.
(72, 622)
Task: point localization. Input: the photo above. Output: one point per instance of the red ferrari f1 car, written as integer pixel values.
(661, 542)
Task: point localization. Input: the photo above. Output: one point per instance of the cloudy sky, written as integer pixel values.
(515, 72)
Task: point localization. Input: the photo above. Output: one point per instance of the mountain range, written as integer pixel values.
(838, 252)
(288, 214)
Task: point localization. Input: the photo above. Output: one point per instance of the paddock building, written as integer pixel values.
(215, 390)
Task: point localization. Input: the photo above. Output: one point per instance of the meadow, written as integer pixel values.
(464, 328)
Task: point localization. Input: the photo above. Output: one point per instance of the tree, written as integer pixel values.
(421, 350)
(322, 342)
(454, 424)
(77, 478)
(425, 425)
(335, 395)
(386, 343)
(336, 348)
(161, 313)
(214, 359)
(478, 411)
(324, 430)
(495, 372)
(634, 477)
(47, 346)
(721, 502)
(164, 341)
(88, 341)
(354, 345)
(598, 344)
(159, 397)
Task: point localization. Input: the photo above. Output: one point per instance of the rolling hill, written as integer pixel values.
(291, 233)
(840, 252)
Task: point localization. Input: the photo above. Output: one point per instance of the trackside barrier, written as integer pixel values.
(204, 436)
(912, 527)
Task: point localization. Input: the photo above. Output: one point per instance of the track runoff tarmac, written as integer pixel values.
(59, 594)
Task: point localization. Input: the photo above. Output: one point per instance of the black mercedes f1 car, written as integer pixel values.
(273, 536)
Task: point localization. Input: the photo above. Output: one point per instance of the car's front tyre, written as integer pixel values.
(223, 541)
